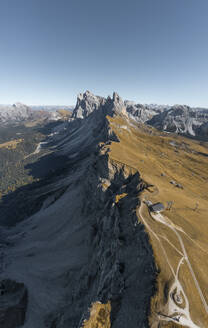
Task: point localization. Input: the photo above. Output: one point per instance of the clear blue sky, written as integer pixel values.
(146, 50)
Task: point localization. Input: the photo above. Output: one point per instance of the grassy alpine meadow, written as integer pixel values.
(177, 169)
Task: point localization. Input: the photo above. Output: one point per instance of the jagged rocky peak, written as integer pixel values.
(16, 113)
(118, 104)
(87, 103)
(117, 99)
(21, 108)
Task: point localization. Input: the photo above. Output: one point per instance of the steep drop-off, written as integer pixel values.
(84, 244)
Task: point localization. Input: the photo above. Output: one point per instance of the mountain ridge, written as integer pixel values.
(91, 235)
(180, 119)
(82, 243)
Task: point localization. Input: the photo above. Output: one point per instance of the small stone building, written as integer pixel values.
(157, 207)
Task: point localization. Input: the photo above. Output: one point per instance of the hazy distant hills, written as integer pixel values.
(52, 108)
(19, 113)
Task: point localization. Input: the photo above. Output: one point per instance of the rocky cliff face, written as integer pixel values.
(87, 103)
(181, 119)
(142, 113)
(82, 243)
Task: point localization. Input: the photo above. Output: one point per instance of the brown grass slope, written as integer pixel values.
(99, 316)
(161, 158)
(11, 144)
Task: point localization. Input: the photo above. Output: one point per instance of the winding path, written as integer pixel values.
(176, 313)
(159, 217)
(37, 150)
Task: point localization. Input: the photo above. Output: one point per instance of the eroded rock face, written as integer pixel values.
(181, 119)
(13, 303)
(118, 104)
(140, 113)
(86, 104)
(120, 267)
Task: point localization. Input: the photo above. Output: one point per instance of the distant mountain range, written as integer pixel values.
(19, 113)
(179, 119)
(182, 120)
(51, 108)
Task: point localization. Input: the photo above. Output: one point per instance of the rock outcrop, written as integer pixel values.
(86, 104)
(141, 113)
